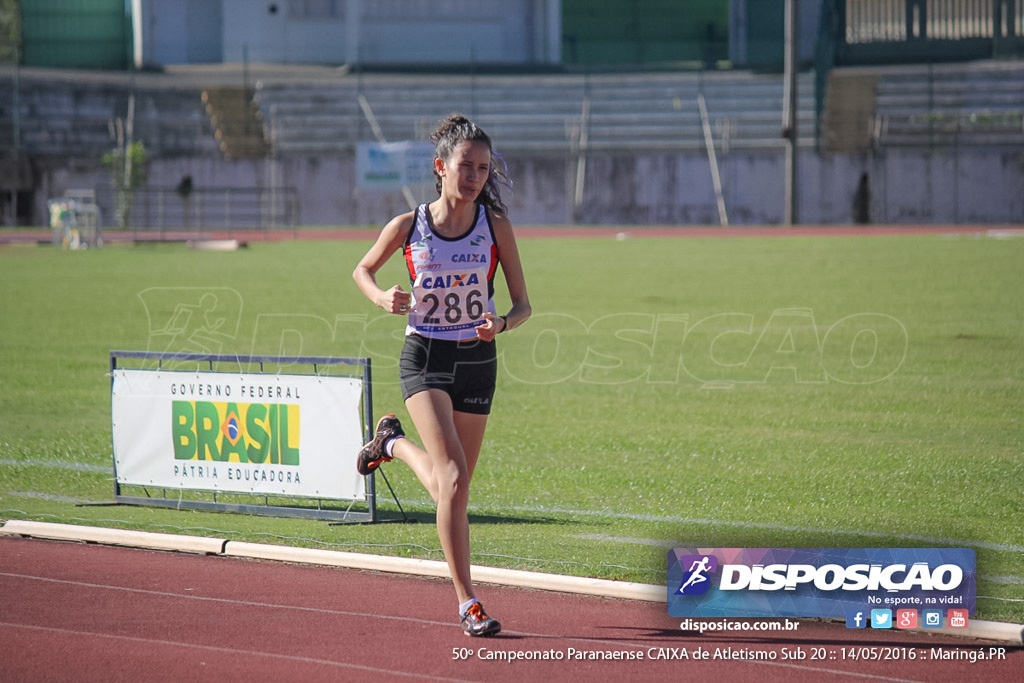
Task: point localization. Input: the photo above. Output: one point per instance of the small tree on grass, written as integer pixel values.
(10, 31)
(128, 171)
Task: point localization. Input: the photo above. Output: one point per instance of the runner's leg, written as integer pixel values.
(432, 413)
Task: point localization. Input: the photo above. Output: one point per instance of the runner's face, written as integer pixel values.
(465, 172)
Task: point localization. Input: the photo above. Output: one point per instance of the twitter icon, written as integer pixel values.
(881, 618)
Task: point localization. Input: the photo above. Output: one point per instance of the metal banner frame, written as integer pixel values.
(318, 511)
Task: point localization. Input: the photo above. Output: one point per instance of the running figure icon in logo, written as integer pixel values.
(696, 579)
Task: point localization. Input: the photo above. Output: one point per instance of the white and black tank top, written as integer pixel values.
(452, 277)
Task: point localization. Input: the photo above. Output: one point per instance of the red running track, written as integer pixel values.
(77, 612)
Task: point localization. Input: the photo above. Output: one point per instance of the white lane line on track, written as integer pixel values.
(57, 499)
(375, 615)
(671, 519)
(229, 651)
(58, 465)
(767, 525)
(316, 610)
(988, 545)
(229, 601)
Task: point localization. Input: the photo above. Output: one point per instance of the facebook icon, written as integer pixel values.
(856, 618)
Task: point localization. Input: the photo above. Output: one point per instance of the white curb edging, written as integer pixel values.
(986, 630)
(1011, 634)
(135, 539)
(333, 558)
(405, 565)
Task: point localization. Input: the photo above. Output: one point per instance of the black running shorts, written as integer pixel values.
(465, 370)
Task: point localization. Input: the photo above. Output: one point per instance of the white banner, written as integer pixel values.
(394, 165)
(288, 435)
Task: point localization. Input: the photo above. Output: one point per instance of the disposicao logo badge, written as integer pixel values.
(818, 582)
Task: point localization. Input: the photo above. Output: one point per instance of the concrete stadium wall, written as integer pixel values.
(977, 185)
(67, 117)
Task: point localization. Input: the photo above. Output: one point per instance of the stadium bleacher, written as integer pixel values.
(952, 104)
(974, 110)
(622, 111)
(916, 105)
(64, 114)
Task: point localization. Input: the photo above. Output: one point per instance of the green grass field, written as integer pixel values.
(752, 392)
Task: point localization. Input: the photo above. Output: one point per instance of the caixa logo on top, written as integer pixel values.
(816, 582)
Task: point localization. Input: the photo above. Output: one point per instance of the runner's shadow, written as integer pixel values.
(484, 518)
(648, 633)
(428, 517)
(502, 637)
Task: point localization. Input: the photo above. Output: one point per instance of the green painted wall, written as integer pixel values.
(82, 34)
(644, 32)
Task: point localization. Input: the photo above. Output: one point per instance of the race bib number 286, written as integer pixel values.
(450, 299)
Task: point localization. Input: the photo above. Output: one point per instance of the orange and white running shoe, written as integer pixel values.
(373, 453)
(475, 622)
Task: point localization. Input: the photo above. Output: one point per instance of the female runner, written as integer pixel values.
(452, 247)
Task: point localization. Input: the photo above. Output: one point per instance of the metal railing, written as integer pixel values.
(940, 129)
(158, 211)
(886, 31)
(872, 21)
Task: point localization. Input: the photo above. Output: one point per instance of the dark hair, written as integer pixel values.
(456, 128)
